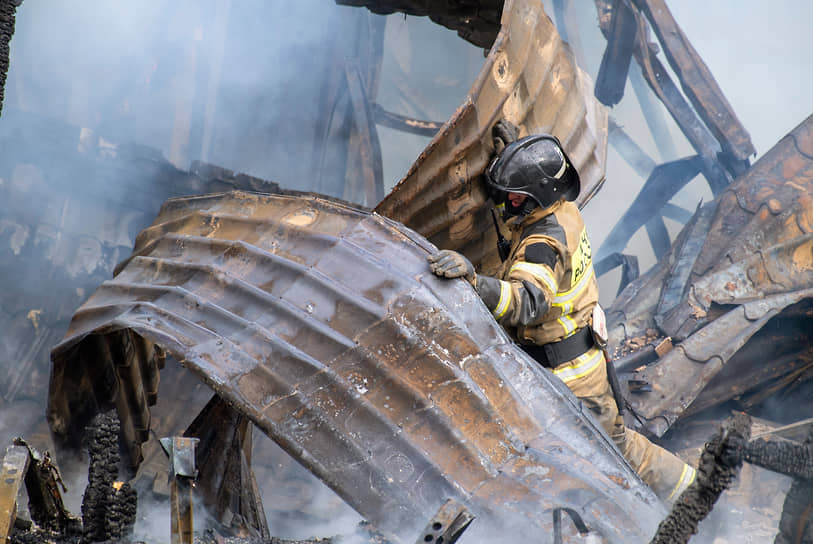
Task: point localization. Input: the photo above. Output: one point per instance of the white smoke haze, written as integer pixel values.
(238, 83)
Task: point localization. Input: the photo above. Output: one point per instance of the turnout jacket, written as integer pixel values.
(547, 288)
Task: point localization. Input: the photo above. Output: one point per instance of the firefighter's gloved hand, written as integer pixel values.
(451, 264)
(503, 133)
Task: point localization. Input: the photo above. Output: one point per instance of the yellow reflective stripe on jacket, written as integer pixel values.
(568, 324)
(686, 479)
(505, 300)
(538, 271)
(581, 366)
(567, 296)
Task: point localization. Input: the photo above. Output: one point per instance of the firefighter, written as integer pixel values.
(546, 293)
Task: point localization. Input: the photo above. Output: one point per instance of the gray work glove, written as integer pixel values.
(451, 264)
(504, 133)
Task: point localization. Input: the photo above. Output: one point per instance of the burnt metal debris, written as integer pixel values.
(449, 408)
(733, 293)
(323, 325)
(182, 475)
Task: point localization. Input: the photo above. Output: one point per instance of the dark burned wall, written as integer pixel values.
(70, 207)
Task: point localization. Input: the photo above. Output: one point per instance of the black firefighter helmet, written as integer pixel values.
(535, 166)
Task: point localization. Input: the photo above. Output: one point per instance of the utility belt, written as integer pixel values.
(555, 353)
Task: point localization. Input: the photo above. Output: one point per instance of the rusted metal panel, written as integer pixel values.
(740, 263)
(529, 78)
(324, 326)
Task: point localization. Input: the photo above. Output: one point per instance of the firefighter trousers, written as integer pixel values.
(663, 471)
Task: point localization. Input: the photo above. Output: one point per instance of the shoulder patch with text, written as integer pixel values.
(582, 258)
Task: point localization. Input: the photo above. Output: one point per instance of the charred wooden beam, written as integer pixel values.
(629, 150)
(108, 505)
(405, 124)
(654, 115)
(719, 465)
(698, 83)
(663, 183)
(371, 168)
(628, 264)
(615, 63)
(662, 85)
(8, 11)
(226, 481)
(14, 468)
(43, 483)
(794, 460)
(783, 456)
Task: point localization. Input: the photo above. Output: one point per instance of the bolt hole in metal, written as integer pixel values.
(431, 538)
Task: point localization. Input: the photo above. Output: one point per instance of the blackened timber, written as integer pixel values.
(661, 84)
(370, 147)
(719, 465)
(654, 115)
(695, 131)
(226, 481)
(405, 124)
(8, 11)
(658, 235)
(796, 523)
(636, 157)
(697, 81)
(628, 264)
(663, 183)
(42, 483)
(12, 471)
(615, 63)
(785, 457)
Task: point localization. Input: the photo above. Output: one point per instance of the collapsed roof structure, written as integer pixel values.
(316, 321)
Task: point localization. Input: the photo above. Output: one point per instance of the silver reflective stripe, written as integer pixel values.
(568, 324)
(582, 366)
(538, 271)
(505, 299)
(686, 479)
(566, 296)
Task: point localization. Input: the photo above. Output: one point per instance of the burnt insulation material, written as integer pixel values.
(720, 463)
(8, 10)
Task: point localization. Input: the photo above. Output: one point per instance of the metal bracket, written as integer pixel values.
(448, 524)
(182, 472)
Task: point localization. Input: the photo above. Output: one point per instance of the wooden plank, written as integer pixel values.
(15, 465)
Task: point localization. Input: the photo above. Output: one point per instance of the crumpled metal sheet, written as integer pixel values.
(324, 325)
(755, 261)
(529, 78)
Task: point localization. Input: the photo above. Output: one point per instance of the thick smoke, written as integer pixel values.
(239, 84)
